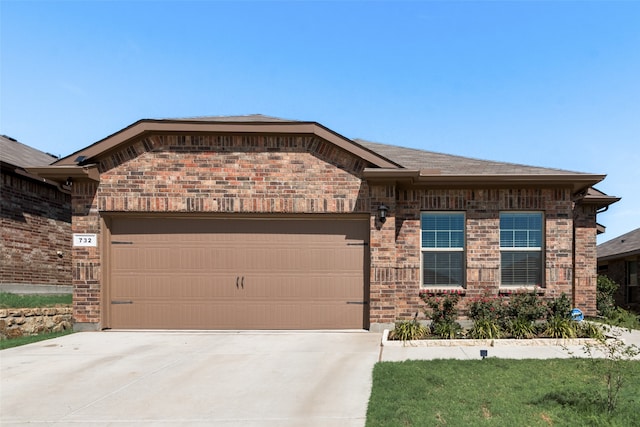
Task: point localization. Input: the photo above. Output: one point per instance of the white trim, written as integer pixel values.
(462, 249)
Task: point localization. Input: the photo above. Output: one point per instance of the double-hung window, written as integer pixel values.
(521, 248)
(442, 247)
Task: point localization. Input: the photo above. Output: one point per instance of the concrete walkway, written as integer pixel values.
(177, 378)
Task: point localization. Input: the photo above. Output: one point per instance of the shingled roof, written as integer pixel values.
(447, 164)
(388, 163)
(17, 154)
(626, 245)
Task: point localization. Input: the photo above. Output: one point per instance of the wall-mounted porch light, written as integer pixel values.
(382, 212)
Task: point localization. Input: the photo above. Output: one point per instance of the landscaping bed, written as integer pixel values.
(469, 342)
(519, 316)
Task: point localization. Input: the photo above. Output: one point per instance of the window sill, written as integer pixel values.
(508, 290)
(458, 290)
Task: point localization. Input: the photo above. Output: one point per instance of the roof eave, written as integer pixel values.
(147, 126)
(65, 173)
(619, 255)
(424, 177)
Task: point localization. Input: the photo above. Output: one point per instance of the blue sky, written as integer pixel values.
(544, 83)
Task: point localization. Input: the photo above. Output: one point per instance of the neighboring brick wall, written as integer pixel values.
(617, 271)
(396, 287)
(35, 219)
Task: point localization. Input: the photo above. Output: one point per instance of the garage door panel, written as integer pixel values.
(238, 274)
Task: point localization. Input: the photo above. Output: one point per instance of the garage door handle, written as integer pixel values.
(358, 302)
(121, 302)
(237, 279)
(242, 282)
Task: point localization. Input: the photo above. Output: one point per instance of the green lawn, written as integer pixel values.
(500, 392)
(28, 339)
(8, 300)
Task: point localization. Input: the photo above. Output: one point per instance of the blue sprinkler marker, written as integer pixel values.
(576, 314)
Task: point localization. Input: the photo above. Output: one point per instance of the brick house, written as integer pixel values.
(255, 222)
(35, 215)
(619, 259)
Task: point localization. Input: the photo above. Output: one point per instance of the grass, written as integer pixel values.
(28, 339)
(499, 392)
(9, 300)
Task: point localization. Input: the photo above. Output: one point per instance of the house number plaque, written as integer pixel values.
(85, 239)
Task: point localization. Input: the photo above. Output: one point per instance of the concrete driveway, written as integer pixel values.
(182, 378)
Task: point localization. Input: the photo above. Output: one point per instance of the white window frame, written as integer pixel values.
(530, 249)
(462, 250)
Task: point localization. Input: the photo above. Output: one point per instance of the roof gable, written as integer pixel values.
(221, 124)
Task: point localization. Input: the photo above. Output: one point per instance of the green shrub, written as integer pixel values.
(589, 330)
(606, 289)
(485, 329)
(560, 327)
(407, 330)
(623, 318)
(447, 330)
(560, 306)
(521, 328)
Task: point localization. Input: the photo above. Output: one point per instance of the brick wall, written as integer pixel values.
(35, 219)
(210, 174)
(305, 174)
(586, 259)
(86, 260)
(396, 287)
(223, 173)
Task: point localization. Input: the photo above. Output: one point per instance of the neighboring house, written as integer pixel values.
(255, 222)
(619, 259)
(35, 215)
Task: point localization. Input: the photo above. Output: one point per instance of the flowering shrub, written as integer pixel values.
(486, 308)
(526, 306)
(517, 315)
(442, 311)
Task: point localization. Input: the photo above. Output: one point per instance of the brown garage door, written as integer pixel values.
(180, 273)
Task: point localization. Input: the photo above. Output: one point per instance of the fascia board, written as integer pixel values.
(428, 178)
(143, 127)
(62, 173)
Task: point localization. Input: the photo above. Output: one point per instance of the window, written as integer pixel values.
(442, 248)
(632, 273)
(521, 248)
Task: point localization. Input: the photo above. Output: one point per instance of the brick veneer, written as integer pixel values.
(35, 218)
(219, 173)
(210, 174)
(395, 282)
